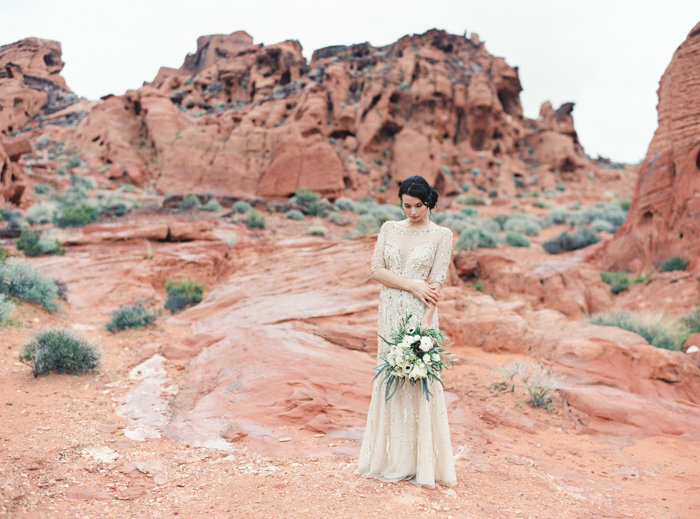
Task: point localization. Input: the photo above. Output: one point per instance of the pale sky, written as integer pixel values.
(607, 56)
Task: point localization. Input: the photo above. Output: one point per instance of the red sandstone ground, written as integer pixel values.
(65, 453)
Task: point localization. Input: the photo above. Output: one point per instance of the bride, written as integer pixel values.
(408, 437)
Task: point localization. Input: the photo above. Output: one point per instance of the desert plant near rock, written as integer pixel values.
(317, 229)
(254, 219)
(515, 239)
(77, 215)
(212, 205)
(295, 214)
(674, 263)
(620, 281)
(189, 201)
(471, 238)
(183, 293)
(128, 317)
(7, 308)
(659, 329)
(568, 242)
(241, 207)
(59, 350)
(541, 383)
(35, 244)
(19, 279)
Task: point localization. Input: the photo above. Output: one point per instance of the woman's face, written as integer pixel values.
(414, 208)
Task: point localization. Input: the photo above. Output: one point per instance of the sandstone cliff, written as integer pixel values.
(664, 215)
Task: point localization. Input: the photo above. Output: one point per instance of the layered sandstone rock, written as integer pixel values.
(13, 181)
(242, 119)
(30, 83)
(664, 215)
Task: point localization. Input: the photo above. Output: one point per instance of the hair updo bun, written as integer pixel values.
(418, 187)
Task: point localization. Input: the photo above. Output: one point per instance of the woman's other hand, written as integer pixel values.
(428, 295)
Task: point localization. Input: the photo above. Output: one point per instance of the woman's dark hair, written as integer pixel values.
(418, 187)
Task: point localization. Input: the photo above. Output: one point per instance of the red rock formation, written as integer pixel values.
(30, 82)
(239, 119)
(13, 181)
(663, 217)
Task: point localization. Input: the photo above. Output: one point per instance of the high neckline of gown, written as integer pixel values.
(418, 230)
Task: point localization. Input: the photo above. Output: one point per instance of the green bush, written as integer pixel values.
(515, 239)
(295, 214)
(335, 218)
(183, 293)
(13, 217)
(84, 182)
(625, 204)
(317, 208)
(471, 238)
(34, 244)
(60, 350)
(523, 223)
(212, 205)
(304, 197)
(599, 225)
(660, 330)
(567, 242)
(189, 201)
(317, 230)
(3, 253)
(241, 207)
(7, 307)
(471, 200)
(345, 204)
(385, 212)
(118, 205)
(128, 317)
(692, 321)
(45, 212)
(674, 263)
(255, 219)
(470, 211)
(491, 225)
(620, 281)
(44, 189)
(77, 216)
(18, 279)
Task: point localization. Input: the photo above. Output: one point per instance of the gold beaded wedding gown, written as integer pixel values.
(408, 437)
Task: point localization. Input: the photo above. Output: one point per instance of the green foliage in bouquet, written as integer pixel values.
(416, 355)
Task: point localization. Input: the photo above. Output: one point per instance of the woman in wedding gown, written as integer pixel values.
(408, 437)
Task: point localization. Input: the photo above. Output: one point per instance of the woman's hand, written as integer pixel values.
(425, 293)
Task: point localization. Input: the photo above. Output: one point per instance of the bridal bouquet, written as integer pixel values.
(416, 355)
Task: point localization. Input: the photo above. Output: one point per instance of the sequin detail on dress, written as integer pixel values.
(408, 437)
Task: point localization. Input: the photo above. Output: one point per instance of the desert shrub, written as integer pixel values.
(118, 205)
(470, 211)
(610, 212)
(295, 214)
(189, 201)
(7, 307)
(317, 229)
(524, 224)
(470, 239)
(491, 225)
(304, 197)
(366, 224)
(567, 242)
(241, 207)
(318, 207)
(460, 225)
(18, 279)
(43, 189)
(692, 321)
(336, 219)
(385, 212)
(84, 182)
(471, 200)
(77, 215)
(345, 204)
(574, 219)
(541, 204)
(674, 263)
(659, 329)
(60, 350)
(3, 253)
(625, 204)
(183, 293)
(515, 239)
(34, 244)
(45, 212)
(620, 281)
(128, 317)
(255, 219)
(599, 225)
(13, 217)
(74, 195)
(212, 205)
(558, 216)
(541, 383)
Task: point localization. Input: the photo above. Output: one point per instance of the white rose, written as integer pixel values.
(426, 358)
(436, 357)
(416, 338)
(426, 343)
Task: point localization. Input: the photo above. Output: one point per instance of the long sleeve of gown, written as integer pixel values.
(443, 256)
(378, 255)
